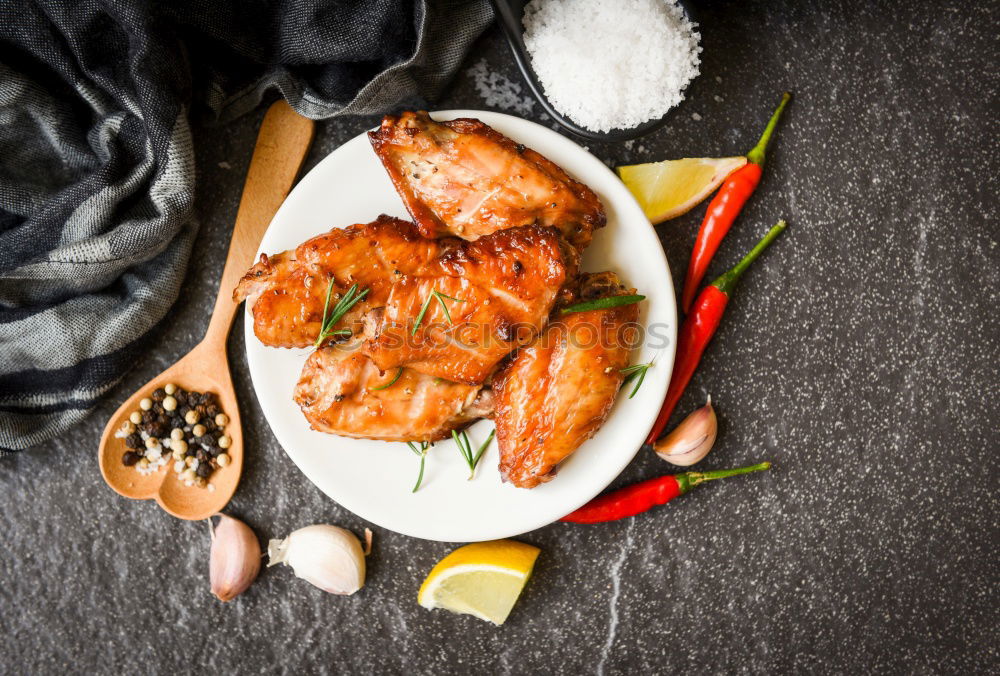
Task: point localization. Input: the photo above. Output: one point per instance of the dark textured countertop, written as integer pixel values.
(861, 356)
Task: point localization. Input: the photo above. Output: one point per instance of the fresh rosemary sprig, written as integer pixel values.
(602, 304)
(420, 451)
(343, 306)
(465, 448)
(389, 384)
(440, 299)
(633, 371)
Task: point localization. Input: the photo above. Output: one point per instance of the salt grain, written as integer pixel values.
(498, 91)
(611, 65)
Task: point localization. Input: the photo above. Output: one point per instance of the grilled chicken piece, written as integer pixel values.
(509, 277)
(557, 392)
(464, 178)
(493, 295)
(337, 393)
(287, 291)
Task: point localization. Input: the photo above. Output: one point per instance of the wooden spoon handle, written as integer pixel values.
(282, 143)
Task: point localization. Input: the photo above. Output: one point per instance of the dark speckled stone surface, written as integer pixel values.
(861, 356)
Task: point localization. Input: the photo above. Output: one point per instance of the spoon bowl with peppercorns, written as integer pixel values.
(178, 439)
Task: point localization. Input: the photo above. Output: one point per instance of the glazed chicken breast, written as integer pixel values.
(508, 280)
(556, 393)
(339, 394)
(464, 178)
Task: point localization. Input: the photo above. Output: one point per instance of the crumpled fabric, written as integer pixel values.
(97, 168)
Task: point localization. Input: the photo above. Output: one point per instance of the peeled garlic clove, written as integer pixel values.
(326, 556)
(235, 559)
(692, 439)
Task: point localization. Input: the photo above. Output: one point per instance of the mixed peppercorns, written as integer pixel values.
(173, 424)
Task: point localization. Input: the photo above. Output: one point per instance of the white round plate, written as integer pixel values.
(374, 479)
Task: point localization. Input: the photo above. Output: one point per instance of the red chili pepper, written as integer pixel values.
(698, 328)
(645, 495)
(725, 207)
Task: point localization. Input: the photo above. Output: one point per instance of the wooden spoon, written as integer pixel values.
(282, 143)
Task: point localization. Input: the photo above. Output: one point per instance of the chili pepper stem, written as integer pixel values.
(689, 480)
(727, 281)
(756, 156)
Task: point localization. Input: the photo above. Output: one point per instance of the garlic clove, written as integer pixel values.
(690, 441)
(328, 557)
(235, 559)
(368, 541)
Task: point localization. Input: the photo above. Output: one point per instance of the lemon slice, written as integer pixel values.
(483, 579)
(668, 189)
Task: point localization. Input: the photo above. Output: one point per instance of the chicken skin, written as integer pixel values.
(287, 291)
(507, 280)
(464, 178)
(476, 304)
(338, 393)
(556, 393)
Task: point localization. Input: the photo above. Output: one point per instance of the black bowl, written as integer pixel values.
(509, 14)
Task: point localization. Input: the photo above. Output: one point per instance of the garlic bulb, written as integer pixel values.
(326, 556)
(692, 439)
(235, 559)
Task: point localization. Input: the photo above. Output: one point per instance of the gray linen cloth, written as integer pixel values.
(97, 165)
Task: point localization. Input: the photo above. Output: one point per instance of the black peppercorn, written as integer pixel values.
(209, 424)
(212, 410)
(214, 451)
(201, 455)
(134, 440)
(130, 458)
(204, 470)
(208, 399)
(181, 397)
(159, 394)
(148, 417)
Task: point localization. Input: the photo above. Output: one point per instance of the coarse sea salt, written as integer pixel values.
(497, 91)
(611, 64)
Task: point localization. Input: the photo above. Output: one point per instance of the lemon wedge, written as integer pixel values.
(668, 189)
(483, 579)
